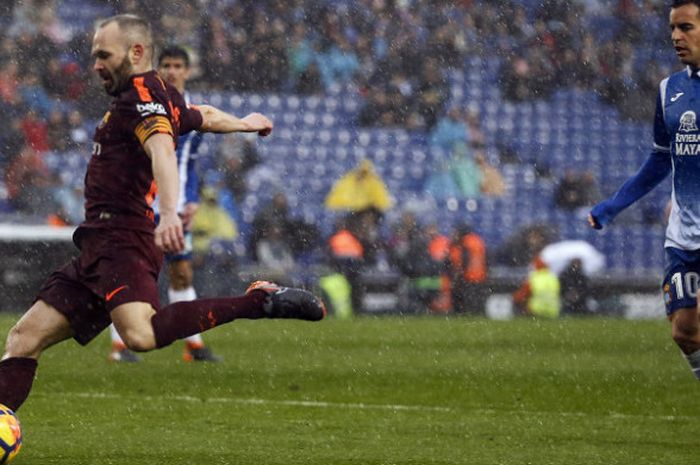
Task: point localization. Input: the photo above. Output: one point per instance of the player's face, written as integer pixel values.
(112, 64)
(685, 34)
(174, 71)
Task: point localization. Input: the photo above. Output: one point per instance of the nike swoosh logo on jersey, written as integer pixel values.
(676, 97)
(111, 294)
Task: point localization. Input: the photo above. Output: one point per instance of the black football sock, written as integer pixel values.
(16, 378)
(183, 319)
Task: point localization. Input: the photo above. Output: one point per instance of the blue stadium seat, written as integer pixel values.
(315, 142)
(290, 118)
(292, 102)
(79, 15)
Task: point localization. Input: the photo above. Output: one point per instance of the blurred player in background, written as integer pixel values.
(114, 279)
(174, 68)
(676, 150)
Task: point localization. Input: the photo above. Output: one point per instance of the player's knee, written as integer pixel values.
(22, 343)
(685, 336)
(139, 340)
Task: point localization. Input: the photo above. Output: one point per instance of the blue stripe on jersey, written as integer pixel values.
(677, 133)
(187, 148)
(186, 160)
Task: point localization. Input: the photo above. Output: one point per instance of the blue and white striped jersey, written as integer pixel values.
(187, 147)
(676, 134)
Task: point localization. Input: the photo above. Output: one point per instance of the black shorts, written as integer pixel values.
(115, 266)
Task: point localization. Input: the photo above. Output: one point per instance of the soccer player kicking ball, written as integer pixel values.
(114, 279)
(174, 68)
(676, 150)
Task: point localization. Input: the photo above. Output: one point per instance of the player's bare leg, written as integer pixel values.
(133, 323)
(38, 329)
(685, 330)
(119, 351)
(180, 277)
(180, 274)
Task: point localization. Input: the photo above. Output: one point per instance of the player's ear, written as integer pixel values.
(137, 53)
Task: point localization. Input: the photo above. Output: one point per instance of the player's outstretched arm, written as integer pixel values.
(215, 120)
(168, 235)
(653, 171)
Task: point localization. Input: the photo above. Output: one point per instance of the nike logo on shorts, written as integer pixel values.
(111, 294)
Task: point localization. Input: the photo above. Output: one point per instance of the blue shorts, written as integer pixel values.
(184, 254)
(681, 279)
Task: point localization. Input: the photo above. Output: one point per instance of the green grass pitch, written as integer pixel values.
(374, 391)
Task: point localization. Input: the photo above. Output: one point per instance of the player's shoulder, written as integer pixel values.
(683, 72)
(673, 85)
(146, 94)
(145, 88)
(678, 77)
(175, 96)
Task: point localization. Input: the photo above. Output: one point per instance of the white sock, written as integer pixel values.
(694, 362)
(115, 335)
(195, 339)
(185, 295)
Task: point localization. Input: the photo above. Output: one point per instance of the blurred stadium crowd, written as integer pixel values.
(506, 116)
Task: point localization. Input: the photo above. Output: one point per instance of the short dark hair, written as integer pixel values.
(680, 3)
(174, 51)
(134, 27)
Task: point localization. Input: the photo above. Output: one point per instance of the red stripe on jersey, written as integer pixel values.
(151, 194)
(144, 94)
(162, 83)
(175, 112)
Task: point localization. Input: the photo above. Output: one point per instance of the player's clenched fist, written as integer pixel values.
(259, 123)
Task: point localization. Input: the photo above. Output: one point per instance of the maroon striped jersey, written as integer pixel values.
(119, 184)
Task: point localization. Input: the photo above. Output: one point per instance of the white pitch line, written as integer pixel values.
(609, 415)
(254, 401)
(363, 406)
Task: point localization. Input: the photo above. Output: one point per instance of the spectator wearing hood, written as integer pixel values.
(469, 271)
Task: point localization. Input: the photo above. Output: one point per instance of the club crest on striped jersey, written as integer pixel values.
(688, 122)
(687, 140)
